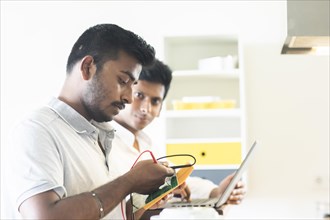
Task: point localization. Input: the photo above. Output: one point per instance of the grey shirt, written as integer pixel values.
(55, 148)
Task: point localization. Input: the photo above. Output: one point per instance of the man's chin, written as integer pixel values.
(104, 118)
(141, 125)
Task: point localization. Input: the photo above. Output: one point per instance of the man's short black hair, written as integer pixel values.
(104, 41)
(157, 73)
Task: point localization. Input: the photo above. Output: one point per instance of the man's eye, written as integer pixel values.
(138, 95)
(156, 102)
(123, 81)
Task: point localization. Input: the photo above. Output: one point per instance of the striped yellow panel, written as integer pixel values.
(206, 153)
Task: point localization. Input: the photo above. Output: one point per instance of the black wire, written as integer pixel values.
(180, 155)
(173, 167)
(133, 206)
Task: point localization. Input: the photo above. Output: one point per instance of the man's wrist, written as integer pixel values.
(128, 181)
(215, 193)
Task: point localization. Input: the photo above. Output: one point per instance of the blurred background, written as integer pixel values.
(287, 96)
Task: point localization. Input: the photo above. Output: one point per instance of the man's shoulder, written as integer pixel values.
(41, 117)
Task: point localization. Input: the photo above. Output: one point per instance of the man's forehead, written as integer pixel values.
(153, 89)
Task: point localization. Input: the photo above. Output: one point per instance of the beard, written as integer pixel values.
(91, 100)
(96, 113)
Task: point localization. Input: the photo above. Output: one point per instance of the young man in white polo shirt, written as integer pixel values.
(59, 155)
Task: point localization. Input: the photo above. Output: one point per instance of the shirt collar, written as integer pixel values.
(71, 116)
(106, 127)
(123, 132)
(128, 137)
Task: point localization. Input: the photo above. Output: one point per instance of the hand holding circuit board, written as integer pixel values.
(170, 184)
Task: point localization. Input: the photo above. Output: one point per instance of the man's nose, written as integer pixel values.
(145, 106)
(127, 96)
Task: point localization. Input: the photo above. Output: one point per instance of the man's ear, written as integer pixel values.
(87, 67)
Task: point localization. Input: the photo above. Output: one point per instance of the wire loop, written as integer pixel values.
(180, 155)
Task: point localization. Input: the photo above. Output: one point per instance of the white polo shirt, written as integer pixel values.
(55, 148)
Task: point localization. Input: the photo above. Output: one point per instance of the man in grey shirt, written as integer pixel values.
(59, 154)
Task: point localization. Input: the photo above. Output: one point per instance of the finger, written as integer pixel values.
(164, 163)
(183, 194)
(188, 193)
(238, 192)
(160, 203)
(234, 201)
(240, 184)
(183, 185)
(170, 171)
(235, 198)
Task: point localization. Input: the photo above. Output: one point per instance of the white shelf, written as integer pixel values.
(202, 140)
(203, 113)
(214, 127)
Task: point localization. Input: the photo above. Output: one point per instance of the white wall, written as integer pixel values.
(287, 95)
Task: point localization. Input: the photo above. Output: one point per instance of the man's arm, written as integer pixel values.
(144, 178)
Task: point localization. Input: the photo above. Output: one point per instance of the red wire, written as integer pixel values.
(155, 161)
(122, 210)
(153, 157)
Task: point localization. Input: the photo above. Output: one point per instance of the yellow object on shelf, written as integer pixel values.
(221, 153)
(181, 105)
